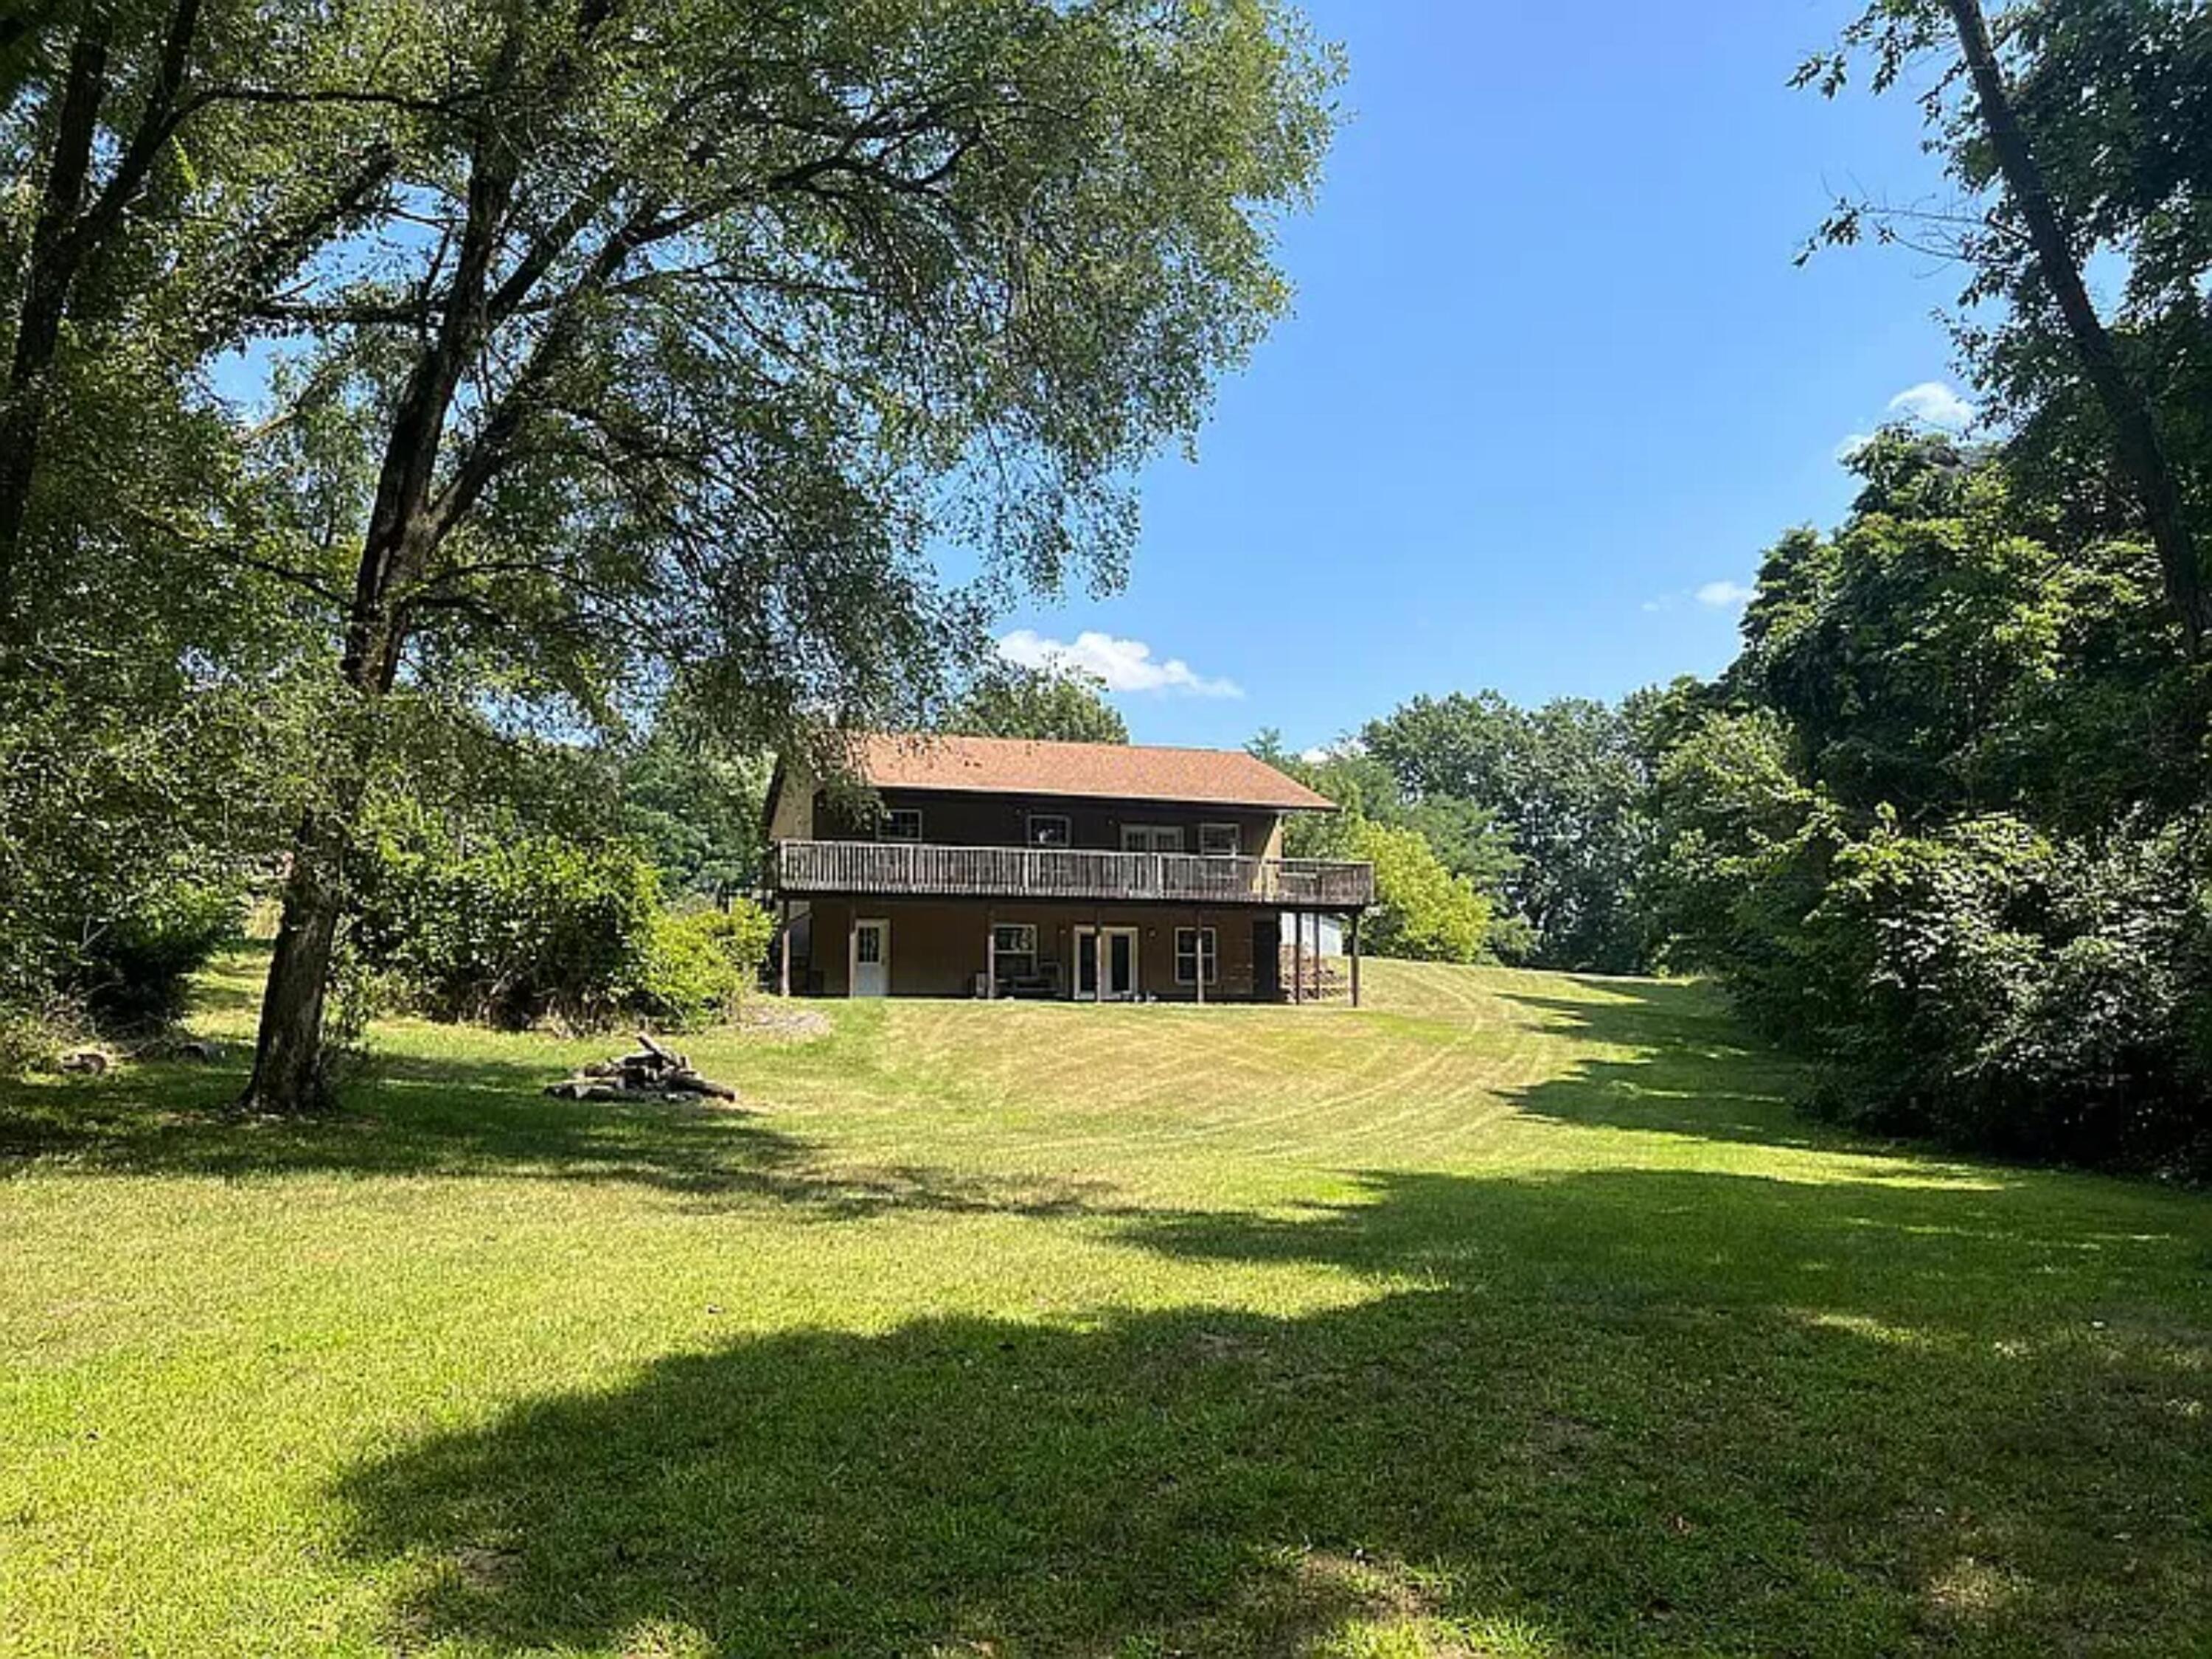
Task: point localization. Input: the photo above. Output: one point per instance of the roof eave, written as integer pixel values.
(1047, 792)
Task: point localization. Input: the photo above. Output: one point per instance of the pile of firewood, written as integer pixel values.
(652, 1073)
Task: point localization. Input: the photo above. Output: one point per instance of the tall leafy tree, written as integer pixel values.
(1566, 782)
(1941, 824)
(680, 327)
(2076, 128)
(154, 187)
(170, 163)
(1007, 700)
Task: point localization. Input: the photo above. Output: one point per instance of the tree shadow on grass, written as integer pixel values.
(474, 1117)
(1687, 1069)
(1625, 1411)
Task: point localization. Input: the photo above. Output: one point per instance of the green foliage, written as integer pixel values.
(139, 795)
(502, 924)
(1422, 910)
(2107, 100)
(702, 963)
(1565, 782)
(771, 299)
(486, 919)
(694, 801)
(2036, 997)
(1464, 854)
(1941, 824)
(138, 970)
(1063, 705)
(1943, 653)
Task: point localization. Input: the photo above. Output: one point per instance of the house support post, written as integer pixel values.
(1355, 958)
(1198, 952)
(783, 960)
(1298, 955)
(853, 952)
(990, 956)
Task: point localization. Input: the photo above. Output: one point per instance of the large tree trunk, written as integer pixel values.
(2134, 423)
(70, 231)
(288, 1072)
(405, 523)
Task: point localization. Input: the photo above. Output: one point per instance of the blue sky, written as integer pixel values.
(1551, 373)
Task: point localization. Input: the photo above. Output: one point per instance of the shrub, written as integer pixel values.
(701, 962)
(513, 928)
(136, 970)
(1422, 910)
(506, 928)
(2000, 988)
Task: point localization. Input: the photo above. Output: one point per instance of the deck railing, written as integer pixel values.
(918, 870)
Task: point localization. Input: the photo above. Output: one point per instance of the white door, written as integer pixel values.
(1105, 957)
(871, 958)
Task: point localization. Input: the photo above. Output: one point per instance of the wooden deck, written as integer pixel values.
(799, 869)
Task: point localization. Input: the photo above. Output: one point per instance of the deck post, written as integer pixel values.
(852, 951)
(1355, 958)
(1198, 952)
(783, 966)
(1298, 955)
(990, 956)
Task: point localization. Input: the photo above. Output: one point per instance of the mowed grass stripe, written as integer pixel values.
(1515, 1314)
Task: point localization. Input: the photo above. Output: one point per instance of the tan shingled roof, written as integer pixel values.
(1221, 777)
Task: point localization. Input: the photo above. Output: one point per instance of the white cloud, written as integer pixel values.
(1851, 445)
(1123, 664)
(1936, 403)
(1724, 595)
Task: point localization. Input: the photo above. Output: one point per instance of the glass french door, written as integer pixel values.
(1118, 958)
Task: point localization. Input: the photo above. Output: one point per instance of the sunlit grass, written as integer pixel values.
(1516, 1315)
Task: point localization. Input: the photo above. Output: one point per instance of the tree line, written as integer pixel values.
(1945, 825)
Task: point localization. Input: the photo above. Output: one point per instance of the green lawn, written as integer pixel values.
(1516, 1315)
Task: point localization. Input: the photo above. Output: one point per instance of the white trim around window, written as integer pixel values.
(1192, 946)
(1220, 840)
(899, 824)
(1049, 829)
(1152, 838)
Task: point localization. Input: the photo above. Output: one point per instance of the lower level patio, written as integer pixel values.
(1087, 952)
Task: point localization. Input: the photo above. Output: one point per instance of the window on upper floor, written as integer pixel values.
(901, 823)
(1219, 841)
(1049, 830)
(1152, 838)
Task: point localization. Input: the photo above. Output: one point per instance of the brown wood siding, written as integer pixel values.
(937, 950)
(1002, 821)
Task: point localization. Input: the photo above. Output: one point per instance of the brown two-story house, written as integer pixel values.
(994, 867)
